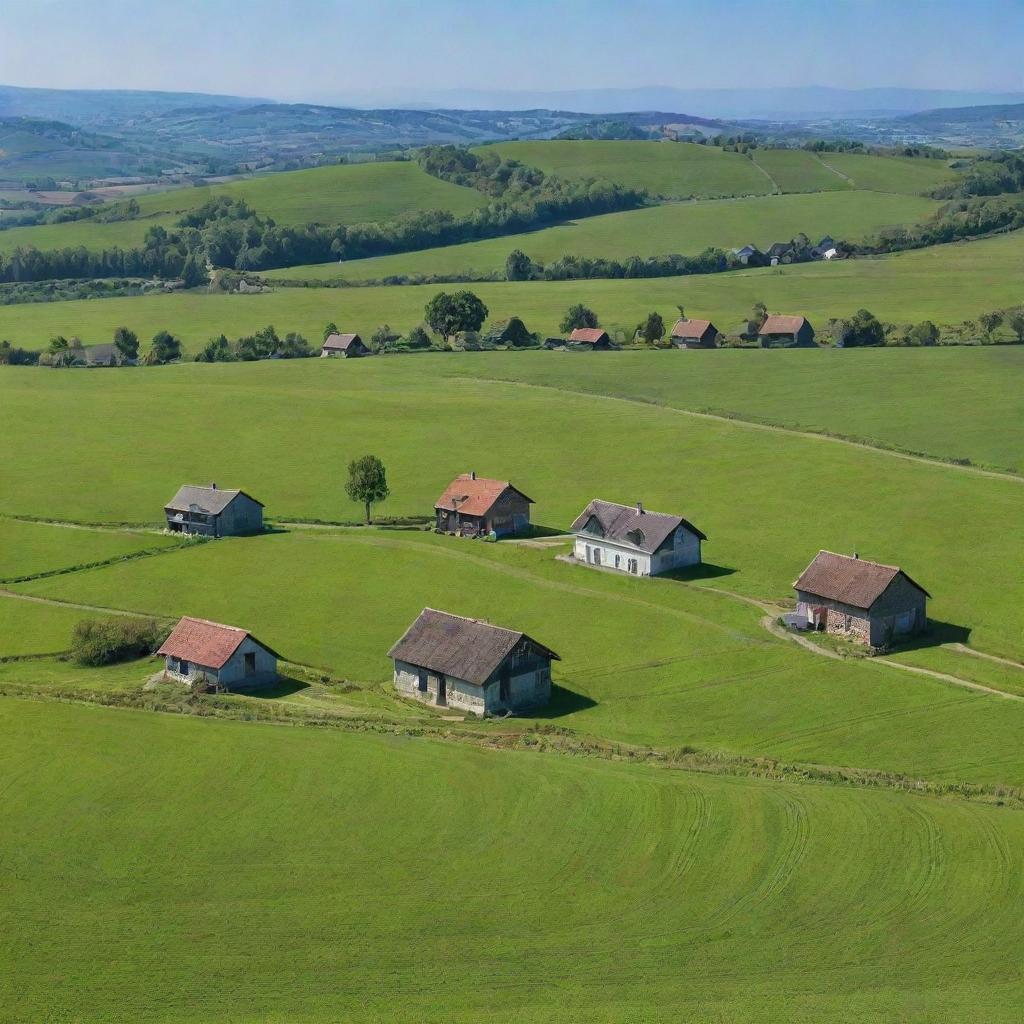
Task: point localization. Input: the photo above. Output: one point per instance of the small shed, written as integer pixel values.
(786, 332)
(511, 332)
(630, 539)
(867, 602)
(474, 506)
(468, 664)
(591, 339)
(225, 657)
(694, 334)
(213, 512)
(344, 346)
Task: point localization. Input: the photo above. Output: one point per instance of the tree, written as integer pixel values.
(294, 346)
(653, 328)
(578, 316)
(218, 350)
(1016, 324)
(166, 348)
(127, 343)
(380, 340)
(924, 333)
(447, 315)
(758, 315)
(417, 338)
(518, 266)
(367, 482)
(193, 273)
(989, 322)
(863, 328)
(331, 328)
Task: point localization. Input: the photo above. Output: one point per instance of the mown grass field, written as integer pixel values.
(794, 170)
(947, 284)
(194, 870)
(686, 228)
(910, 175)
(30, 628)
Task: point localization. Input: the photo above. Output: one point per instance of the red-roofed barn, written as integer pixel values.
(474, 506)
(223, 656)
(695, 334)
(590, 338)
(786, 332)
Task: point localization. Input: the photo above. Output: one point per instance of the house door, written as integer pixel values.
(442, 690)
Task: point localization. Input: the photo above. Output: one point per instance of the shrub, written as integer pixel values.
(105, 641)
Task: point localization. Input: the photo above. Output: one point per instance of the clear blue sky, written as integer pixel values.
(327, 51)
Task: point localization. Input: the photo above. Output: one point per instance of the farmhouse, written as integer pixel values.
(474, 506)
(213, 512)
(748, 254)
(225, 657)
(591, 339)
(345, 346)
(633, 540)
(864, 601)
(448, 660)
(695, 334)
(786, 332)
(779, 251)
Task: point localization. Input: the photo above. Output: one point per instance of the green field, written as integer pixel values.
(947, 284)
(795, 170)
(302, 876)
(346, 194)
(909, 175)
(30, 628)
(685, 228)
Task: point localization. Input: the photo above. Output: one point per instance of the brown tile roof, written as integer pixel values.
(467, 649)
(626, 524)
(691, 328)
(341, 341)
(206, 643)
(588, 335)
(474, 495)
(209, 499)
(853, 581)
(778, 324)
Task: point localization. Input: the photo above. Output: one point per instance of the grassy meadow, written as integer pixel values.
(686, 228)
(301, 875)
(794, 170)
(909, 175)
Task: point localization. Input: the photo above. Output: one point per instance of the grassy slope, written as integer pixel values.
(27, 627)
(794, 170)
(946, 284)
(909, 175)
(303, 876)
(347, 194)
(678, 227)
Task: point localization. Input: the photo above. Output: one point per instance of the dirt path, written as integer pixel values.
(964, 649)
(947, 678)
(83, 607)
(838, 173)
(924, 460)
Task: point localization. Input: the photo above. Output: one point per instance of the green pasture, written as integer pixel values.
(191, 870)
(686, 228)
(909, 175)
(94, 236)
(795, 170)
(947, 284)
(29, 628)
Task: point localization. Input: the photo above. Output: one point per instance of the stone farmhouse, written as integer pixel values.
(632, 540)
(451, 661)
(786, 332)
(590, 339)
(474, 506)
(213, 512)
(865, 601)
(695, 334)
(344, 346)
(224, 657)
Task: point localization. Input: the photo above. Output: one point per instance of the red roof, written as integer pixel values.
(474, 495)
(778, 324)
(589, 335)
(206, 643)
(690, 328)
(341, 341)
(853, 581)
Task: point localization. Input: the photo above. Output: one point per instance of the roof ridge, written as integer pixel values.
(468, 618)
(857, 558)
(219, 625)
(633, 508)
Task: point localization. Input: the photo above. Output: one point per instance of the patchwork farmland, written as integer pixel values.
(715, 817)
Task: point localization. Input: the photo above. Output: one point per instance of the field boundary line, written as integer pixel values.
(775, 184)
(964, 649)
(845, 177)
(814, 435)
(4, 592)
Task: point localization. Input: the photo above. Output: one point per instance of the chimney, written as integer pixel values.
(472, 475)
(639, 508)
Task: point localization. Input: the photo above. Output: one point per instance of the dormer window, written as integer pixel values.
(594, 527)
(636, 537)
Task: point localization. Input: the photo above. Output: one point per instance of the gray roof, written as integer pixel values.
(628, 524)
(212, 500)
(467, 649)
(341, 341)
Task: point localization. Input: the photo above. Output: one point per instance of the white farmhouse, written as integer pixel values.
(633, 540)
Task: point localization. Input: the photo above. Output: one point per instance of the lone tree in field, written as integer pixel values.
(367, 482)
(166, 348)
(652, 329)
(578, 316)
(127, 343)
(329, 329)
(448, 315)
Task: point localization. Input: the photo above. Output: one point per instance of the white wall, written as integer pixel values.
(686, 552)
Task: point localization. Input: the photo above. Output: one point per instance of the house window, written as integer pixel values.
(422, 681)
(182, 667)
(597, 556)
(250, 663)
(617, 561)
(632, 566)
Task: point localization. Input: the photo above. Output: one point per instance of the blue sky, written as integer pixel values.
(391, 49)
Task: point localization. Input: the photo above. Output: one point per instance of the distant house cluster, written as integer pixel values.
(788, 252)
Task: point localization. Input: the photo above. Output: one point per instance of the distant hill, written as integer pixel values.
(990, 125)
(988, 114)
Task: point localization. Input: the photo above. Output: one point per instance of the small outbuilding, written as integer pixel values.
(748, 255)
(695, 334)
(470, 665)
(343, 346)
(224, 657)
(591, 339)
(213, 512)
(864, 601)
(786, 332)
(634, 541)
(474, 506)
